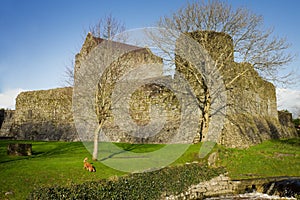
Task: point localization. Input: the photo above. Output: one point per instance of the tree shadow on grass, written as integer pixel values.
(51, 149)
(292, 142)
(126, 147)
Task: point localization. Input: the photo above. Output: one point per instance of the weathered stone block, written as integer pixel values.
(19, 149)
(212, 159)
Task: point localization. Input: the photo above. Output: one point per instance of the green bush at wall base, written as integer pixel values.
(148, 185)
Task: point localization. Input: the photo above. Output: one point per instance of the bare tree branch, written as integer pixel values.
(107, 28)
(252, 42)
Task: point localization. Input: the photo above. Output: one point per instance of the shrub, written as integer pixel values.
(147, 185)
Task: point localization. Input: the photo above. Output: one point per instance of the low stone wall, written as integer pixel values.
(19, 149)
(223, 185)
(215, 187)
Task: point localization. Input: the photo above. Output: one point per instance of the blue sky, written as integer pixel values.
(39, 38)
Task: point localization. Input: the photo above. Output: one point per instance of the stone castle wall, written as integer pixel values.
(251, 108)
(6, 122)
(251, 114)
(2, 116)
(141, 99)
(139, 108)
(44, 115)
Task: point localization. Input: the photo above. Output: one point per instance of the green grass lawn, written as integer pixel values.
(61, 163)
(271, 158)
(52, 163)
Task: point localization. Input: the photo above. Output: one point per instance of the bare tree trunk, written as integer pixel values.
(96, 141)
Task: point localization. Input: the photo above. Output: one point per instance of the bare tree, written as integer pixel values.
(107, 28)
(95, 82)
(69, 74)
(252, 42)
(211, 94)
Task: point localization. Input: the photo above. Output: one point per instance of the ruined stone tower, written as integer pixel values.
(251, 109)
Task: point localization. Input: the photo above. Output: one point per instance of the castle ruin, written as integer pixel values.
(251, 116)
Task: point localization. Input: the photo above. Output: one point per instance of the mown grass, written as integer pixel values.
(271, 158)
(52, 163)
(60, 163)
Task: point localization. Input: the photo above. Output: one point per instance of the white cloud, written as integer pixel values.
(289, 99)
(8, 98)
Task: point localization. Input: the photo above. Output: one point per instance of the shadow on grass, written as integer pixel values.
(130, 147)
(42, 149)
(16, 158)
(293, 141)
(139, 148)
(57, 149)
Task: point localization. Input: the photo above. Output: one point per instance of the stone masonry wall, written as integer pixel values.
(6, 122)
(226, 188)
(140, 100)
(286, 121)
(251, 115)
(44, 115)
(139, 109)
(251, 108)
(2, 116)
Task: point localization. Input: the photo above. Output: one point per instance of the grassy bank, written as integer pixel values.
(271, 158)
(60, 163)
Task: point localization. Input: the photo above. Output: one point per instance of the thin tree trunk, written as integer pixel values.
(96, 142)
